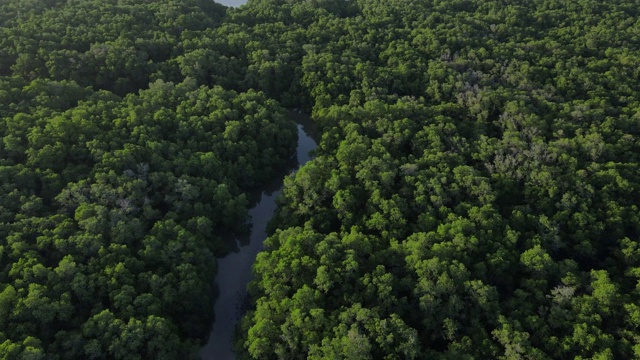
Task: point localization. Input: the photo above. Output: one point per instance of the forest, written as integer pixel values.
(474, 195)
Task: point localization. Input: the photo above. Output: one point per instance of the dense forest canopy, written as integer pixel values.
(121, 171)
(474, 195)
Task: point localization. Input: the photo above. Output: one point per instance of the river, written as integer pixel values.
(234, 3)
(234, 270)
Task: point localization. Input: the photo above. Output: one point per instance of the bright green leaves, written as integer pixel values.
(8, 299)
(515, 342)
(537, 262)
(113, 338)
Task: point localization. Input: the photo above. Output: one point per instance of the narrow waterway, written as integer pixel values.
(233, 3)
(234, 270)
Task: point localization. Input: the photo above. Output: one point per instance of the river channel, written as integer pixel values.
(232, 3)
(234, 270)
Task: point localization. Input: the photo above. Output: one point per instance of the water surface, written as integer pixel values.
(234, 3)
(234, 270)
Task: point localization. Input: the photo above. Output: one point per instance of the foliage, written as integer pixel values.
(116, 191)
(474, 194)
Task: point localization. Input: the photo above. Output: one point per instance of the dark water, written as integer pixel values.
(234, 270)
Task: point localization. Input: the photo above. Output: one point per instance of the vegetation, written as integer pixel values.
(114, 201)
(474, 194)
(475, 191)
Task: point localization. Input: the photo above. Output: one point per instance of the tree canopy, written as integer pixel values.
(119, 181)
(474, 195)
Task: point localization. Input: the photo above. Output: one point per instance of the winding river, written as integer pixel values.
(234, 270)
